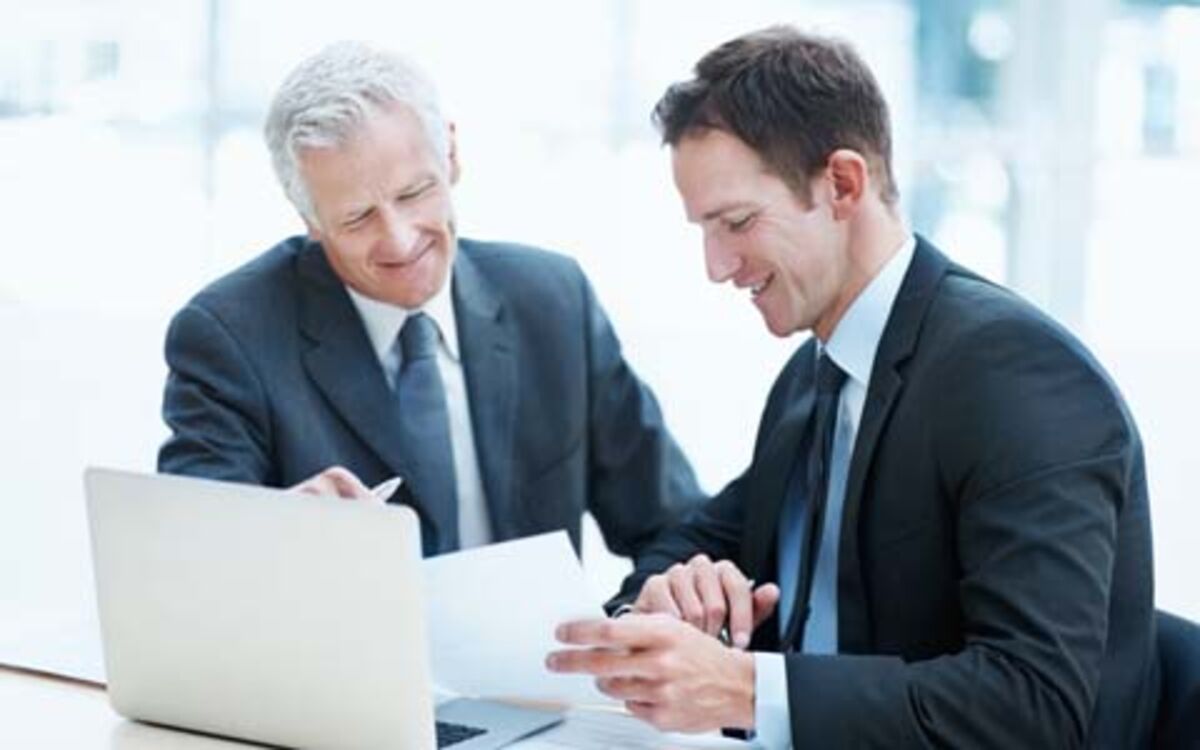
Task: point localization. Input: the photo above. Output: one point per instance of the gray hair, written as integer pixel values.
(330, 95)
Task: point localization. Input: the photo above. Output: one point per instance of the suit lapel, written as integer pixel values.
(343, 365)
(490, 367)
(897, 344)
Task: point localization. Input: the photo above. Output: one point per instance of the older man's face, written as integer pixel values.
(383, 209)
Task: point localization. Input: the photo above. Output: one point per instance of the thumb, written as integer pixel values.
(766, 597)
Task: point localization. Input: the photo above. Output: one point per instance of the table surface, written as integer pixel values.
(39, 711)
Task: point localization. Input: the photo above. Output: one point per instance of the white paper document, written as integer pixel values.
(492, 615)
(602, 730)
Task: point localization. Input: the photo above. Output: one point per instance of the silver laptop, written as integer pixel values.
(287, 619)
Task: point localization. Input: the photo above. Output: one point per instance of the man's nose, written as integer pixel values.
(400, 234)
(719, 261)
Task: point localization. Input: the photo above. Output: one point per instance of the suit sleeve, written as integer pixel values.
(716, 527)
(1036, 452)
(214, 404)
(639, 481)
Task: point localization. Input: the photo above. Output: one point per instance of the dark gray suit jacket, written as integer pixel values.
(995, 580)
(273, 378)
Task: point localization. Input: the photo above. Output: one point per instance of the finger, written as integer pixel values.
(629, 688)
(318, 484)
(315, 486)
(656, 597)
(766, 597)
(600, 662)
(633, 631)
(741, 603)
(683, 590)
(712, 597)
(651, 713)
(346, 484)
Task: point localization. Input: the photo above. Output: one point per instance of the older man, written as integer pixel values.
(484, 374)
(945, 516)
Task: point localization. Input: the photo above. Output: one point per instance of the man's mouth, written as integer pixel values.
(756, 290)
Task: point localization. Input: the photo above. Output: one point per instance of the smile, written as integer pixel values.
(757, 289)
(409, 261)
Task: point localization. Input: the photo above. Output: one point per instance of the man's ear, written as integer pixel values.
(452, 142)
(314, 233)
(850, 176)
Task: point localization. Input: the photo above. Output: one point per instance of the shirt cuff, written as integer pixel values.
(772, 717)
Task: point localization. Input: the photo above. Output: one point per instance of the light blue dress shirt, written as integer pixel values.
(852, 347)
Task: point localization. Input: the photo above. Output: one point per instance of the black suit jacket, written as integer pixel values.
(273, 378)
(995, 580)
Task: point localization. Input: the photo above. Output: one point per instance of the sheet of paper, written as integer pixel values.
(601, 730)
(66, 649)
(492, 614)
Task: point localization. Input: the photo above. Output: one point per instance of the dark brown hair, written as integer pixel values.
(794, 98)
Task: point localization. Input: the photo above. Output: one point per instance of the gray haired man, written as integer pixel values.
(382, 344)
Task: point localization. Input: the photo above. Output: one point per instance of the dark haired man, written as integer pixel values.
(946, 511)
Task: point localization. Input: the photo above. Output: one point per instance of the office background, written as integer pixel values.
(1053, 145)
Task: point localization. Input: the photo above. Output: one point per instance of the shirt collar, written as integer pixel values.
(856, 338)
(383, 320)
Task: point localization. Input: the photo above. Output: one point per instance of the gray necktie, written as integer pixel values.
(803, 510)
(426, 425)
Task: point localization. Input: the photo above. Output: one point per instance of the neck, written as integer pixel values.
(871, 242)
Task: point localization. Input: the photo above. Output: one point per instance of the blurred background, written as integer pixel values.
(1053, 145)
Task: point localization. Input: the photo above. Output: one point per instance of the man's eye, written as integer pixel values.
(356, 221)
(737, 225)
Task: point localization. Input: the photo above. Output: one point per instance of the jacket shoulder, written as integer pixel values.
(511, 259)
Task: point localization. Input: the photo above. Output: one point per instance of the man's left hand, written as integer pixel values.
(667, 672)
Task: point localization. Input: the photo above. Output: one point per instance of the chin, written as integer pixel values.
(778, 327)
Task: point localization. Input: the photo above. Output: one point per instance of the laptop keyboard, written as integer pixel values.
(451, 734)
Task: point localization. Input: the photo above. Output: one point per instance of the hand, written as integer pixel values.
(336, 481)
(704, 593)
(666, 672)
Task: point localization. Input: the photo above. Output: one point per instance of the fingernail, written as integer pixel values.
(741, 639)
(560, 632)
(552, 662)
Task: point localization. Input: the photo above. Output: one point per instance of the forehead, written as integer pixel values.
(391, 145)
(713, 169)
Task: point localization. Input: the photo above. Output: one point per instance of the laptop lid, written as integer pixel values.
(256, 613)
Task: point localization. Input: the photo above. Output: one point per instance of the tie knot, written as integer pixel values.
(830, 377)
(418, 337)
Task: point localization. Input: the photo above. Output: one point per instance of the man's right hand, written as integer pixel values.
(705, 594)
(335, 481)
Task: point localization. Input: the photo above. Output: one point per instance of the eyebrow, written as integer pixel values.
(724, 209)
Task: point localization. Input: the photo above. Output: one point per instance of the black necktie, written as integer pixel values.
(426, 426)
(805, 504)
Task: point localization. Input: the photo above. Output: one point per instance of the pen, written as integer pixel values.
(386, 489)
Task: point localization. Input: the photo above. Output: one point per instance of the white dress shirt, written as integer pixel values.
(852, 346)
(383, 322)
